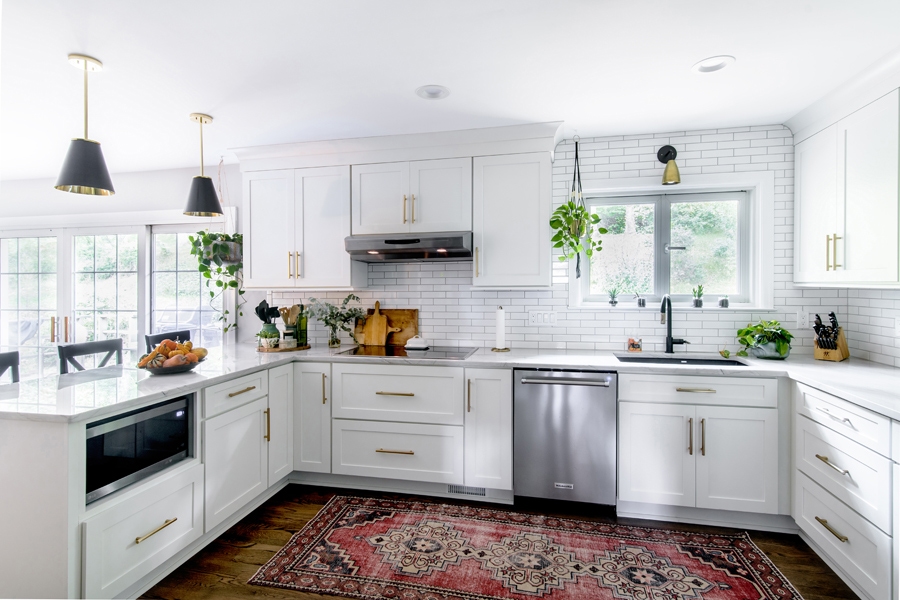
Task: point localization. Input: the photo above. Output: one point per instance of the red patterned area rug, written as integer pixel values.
(380, 549)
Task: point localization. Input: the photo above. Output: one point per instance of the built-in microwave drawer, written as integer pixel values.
(130, 538)
(398, 451)
(857, 476)
(237, 392)
(859, 548)
(859, 424)
(688, 389)
(398, 393)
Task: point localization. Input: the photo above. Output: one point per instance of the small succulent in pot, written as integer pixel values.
(613, 295)
(697, 293)
(723, 301)
(268, 339)
(641, 301)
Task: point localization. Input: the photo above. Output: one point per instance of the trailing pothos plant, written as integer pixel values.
(574, 225)
(764, 332)
(219, 257)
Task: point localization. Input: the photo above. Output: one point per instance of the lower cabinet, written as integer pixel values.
(699, 456)
(249, 448)
(125, 542)
(312, 417)
(488, 421)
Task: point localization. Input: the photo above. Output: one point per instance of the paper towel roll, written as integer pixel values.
(500, 339)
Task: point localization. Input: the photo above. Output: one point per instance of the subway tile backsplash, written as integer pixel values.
(453, 313)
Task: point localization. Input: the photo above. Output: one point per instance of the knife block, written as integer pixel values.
(842, 352)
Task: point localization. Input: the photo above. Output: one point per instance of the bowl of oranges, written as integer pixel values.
(172, 357)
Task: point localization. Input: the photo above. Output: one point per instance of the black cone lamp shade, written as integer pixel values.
(84, 170)
(202, 199)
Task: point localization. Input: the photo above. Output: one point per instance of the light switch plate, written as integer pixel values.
(802, 320)
(538, 318)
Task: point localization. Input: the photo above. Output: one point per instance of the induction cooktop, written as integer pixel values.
(432, 353)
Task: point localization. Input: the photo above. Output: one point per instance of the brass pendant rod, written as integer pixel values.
(85, 99)
(202, 173)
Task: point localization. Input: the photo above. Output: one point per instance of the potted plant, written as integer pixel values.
(267, 314)
(268, 339)
(641, 301)
(723, 301)
(697, 292)
(219, 258)
(613, 295)
(766, 339)
(336, 318)
(574, 225)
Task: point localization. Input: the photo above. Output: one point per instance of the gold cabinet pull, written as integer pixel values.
(469, 401)
(695, 390)
(384, 451)
(412, 204)
(243, 391)
(323, 389)
(825, 460)
(66, 329)
(824, 523)
(168, 522)
(702, 437)
(52, 329)
(297, 264)
(691, 437)
(843, 420)
(476, 261)
(834, 261)
(404, 208)
(827, 252)
(406, 394)
(290, 256)
(268, 435)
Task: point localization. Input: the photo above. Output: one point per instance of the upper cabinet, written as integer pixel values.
(296, 221)
(412, 197)
(846, 199)
(511, 206)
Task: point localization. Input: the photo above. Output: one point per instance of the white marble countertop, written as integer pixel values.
(97, 393)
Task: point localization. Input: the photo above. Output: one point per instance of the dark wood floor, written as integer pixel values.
(221, 570)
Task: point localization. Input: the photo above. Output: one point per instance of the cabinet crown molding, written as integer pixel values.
(512, 139)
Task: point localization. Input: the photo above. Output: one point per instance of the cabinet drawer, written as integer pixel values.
(895, 442)
(686, 389)
(857, 476)
(237, 392)
(865, 555)
(859, 424)
(398, 393)
(398, 451)
(128, 540)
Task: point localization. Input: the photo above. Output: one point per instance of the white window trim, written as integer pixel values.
(760, 188)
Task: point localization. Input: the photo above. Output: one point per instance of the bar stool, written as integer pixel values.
(67, 354)
(154, 340)
(10, 361)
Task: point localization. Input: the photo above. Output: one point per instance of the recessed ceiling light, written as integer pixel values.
(432, 92)
(713, 64)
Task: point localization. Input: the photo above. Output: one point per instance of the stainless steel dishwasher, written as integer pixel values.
(564, 436)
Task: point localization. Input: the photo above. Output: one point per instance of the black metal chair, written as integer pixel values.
(10, 361)
(176, 336)
(67, 354)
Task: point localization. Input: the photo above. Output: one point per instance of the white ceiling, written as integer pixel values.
(279, 71)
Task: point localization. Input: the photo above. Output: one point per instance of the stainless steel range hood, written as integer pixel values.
(410, 247)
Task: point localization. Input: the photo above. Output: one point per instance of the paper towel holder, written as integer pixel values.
(500, 349)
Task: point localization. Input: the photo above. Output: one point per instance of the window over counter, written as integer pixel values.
(668, 244)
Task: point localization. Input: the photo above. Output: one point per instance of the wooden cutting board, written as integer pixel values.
(377, 328)
(403, 324)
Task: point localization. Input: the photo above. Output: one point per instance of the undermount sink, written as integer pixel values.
(679, 360)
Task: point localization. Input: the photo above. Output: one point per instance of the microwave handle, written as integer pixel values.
(133, 418)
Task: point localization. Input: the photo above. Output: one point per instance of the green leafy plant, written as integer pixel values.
(764, 332)
(336, 318)
(219, 261)
(613, 293)
(268, 334)
(725, 352)
(698, 291)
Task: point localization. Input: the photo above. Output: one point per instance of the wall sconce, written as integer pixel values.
(666, 155)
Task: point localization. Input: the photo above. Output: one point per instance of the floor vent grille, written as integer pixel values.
(466, 490)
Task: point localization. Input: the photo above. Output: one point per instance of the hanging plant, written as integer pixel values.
(574, 225)
(219, 257)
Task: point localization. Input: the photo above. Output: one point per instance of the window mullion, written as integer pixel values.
(663, 226)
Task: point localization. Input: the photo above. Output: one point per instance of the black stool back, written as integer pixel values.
(67, 354)
(154, 340)
(10, 360)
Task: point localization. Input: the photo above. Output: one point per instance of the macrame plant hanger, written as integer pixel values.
(576, 196)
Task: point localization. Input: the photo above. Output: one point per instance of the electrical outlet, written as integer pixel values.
(802, 320)
(539, 317)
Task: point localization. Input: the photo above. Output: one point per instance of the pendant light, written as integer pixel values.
(202, 199)
(666, 155)
(84, 170)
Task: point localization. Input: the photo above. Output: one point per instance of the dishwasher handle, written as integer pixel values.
(561, 381)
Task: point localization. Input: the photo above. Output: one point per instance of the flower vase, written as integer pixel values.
(333, 340)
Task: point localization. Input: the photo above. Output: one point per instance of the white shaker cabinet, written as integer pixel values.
(656, 453)
(511, 205)
(412, 197)
(846, 199)
(312, 417)
(737, 461)
(296, 221)
(280, 423)
(488, 443)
